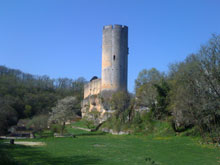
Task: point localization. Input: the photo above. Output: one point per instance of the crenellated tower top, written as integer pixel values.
(114, 58)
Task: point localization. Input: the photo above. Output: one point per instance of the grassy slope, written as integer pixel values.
(114, 149)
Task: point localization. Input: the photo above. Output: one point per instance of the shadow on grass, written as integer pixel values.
(16, 154)
(91, 134)
(74, 135)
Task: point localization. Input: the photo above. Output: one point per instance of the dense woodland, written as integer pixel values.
(187, 97)
(25, 96)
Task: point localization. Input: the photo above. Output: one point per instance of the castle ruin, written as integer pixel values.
(114, 70)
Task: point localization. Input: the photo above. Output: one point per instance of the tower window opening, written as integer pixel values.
(114, 57)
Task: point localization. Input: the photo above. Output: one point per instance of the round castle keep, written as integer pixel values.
(114, 73)
(114, 58)
(114, 62)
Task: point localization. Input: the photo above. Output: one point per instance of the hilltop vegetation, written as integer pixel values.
(25, 96)
(187, 97)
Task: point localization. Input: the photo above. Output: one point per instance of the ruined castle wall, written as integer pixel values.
(114, 58)
(92, 88)
(114, 74)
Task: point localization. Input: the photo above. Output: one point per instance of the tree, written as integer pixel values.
(64, 110)
(27, 111)
(120, 102)
(208, 87)
(38, 123)
(162, 100)
(195, 91)
(147, 76)
(8, 115)
(184, 97)
(146, 92)
(31, 95)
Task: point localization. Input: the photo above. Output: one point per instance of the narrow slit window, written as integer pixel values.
(114, 57)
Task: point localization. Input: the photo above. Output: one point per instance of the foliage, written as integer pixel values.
(38, 123)
(57, 128)
(160, 109)
(8, 115)
(147, 76)
(89, 123)
(188, 96)
(24, 95)
(27, 111)
(120, 101)
(146, 92)
(195, 90)
(64, 110)
(152, 93)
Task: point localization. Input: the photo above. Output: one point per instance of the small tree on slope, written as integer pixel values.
(64, 110)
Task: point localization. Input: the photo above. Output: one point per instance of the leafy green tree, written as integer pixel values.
(160, 109)
(27, 111)
(147, 76)
(8, 115)
(146, 92)
(38, 123)
(195, 90)
(121, 103)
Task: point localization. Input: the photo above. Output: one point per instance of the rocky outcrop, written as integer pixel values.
(93, 108)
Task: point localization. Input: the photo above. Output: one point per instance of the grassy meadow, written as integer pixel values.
(100, 148)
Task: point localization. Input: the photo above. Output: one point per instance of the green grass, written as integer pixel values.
(97, 148)
(80, 123)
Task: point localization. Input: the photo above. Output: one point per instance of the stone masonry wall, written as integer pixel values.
(92, 88)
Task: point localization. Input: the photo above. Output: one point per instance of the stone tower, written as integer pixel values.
(114, 73)
(114, 58)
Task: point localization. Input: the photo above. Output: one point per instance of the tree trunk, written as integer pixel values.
(12, 141)
(63, 127)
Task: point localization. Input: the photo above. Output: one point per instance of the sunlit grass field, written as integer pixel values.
(99, 148)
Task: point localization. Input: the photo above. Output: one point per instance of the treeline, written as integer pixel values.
(24, 95)
(188, 96)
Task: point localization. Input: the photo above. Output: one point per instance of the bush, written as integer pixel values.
(38, 123)
(57, 128)
(89, 123)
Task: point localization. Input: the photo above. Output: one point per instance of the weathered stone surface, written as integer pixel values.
(114, 74)
(93, 109)
(114, 57)
(92, 88)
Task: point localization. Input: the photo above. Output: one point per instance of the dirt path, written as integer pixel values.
(25, 143)
(85, 129)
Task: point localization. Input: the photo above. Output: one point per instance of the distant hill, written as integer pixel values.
(24, 95)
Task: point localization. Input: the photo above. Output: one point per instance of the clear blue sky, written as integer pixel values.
(62, 38)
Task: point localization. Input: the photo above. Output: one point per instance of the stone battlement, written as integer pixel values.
(115, 27)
